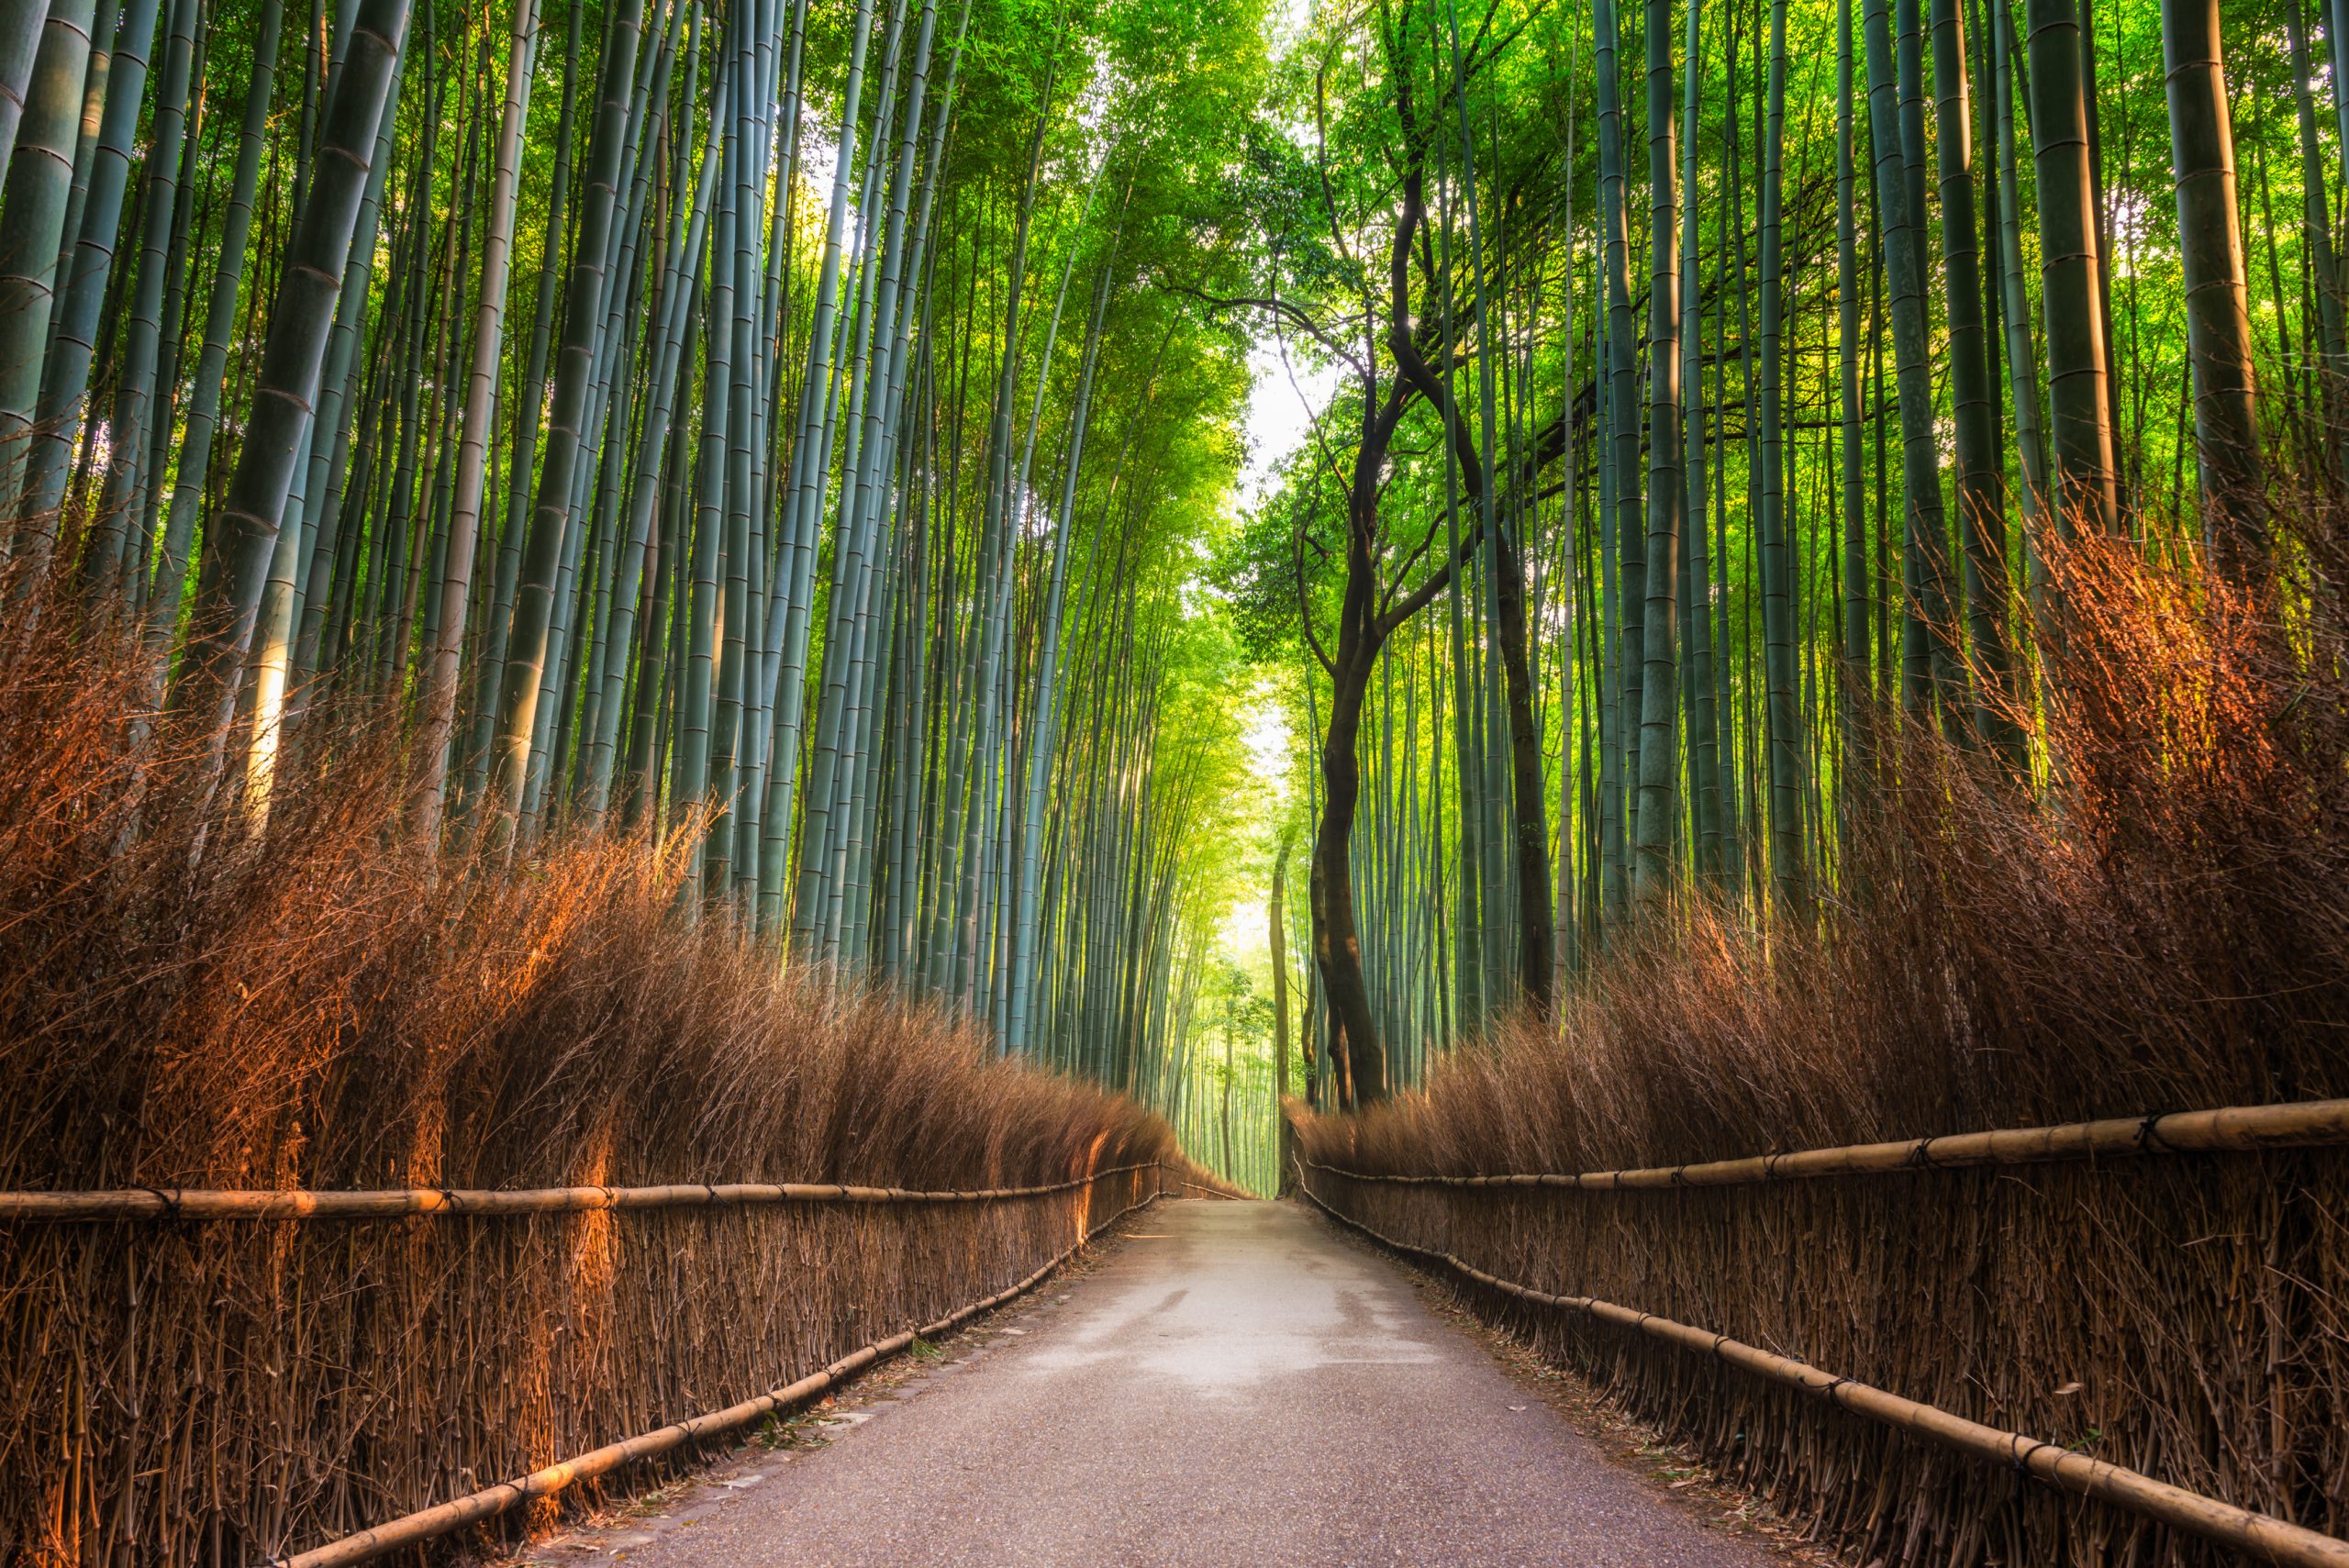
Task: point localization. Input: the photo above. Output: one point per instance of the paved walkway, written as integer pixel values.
(1235, 1383)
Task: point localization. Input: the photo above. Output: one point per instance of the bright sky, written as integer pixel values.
(1280, 407)
(1280, 410)
(1266, 736)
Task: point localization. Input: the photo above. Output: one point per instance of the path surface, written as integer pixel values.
(1234, 1384)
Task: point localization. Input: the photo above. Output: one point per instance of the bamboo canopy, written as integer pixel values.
(2230, 1129)
(2257, 1535)
(188, 1203)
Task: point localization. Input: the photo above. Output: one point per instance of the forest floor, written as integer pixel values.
(1229, 1383)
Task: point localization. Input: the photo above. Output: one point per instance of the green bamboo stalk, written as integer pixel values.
(1659, 761)
(2226, 423)
(550, 519)
(438, 703)
(40, 172)
(65, 374)
(320, 246)
(121, 506)
(2071, 272)
(2022, 361)
(1981, 478)
(1781, 720)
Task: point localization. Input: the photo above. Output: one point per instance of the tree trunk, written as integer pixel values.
(1277, 933)
(1354, 1046)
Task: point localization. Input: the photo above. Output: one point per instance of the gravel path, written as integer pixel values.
(1235, 1383)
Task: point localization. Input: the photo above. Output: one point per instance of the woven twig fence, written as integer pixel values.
(427, 1524)
(2173, 1329)
(215, 1378)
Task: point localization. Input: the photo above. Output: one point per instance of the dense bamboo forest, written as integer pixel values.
(762, 424)
(690, 690)
(821, 435)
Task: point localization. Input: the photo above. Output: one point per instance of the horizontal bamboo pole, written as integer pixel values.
(441, 1518)
(194, 1203)
(2240, 1529)
(1211, 1192)
(2234, 1130)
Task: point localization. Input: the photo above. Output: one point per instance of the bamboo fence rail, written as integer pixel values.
(1211, 1192)
(193, 1203)
(426, 1524)
(253, 1390)
(2240, 1529)
(2229, 1129)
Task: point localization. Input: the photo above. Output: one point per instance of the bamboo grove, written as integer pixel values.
(1652, 499)
(808, 429)
(755, 420)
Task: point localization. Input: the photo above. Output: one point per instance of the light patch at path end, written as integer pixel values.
(1234, 1325)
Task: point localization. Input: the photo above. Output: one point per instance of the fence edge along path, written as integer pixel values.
(2230, 1129)
(393, 1203)
(2262, 1537)
(441, 1518)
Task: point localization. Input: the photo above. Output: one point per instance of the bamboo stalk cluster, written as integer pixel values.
(667, 417)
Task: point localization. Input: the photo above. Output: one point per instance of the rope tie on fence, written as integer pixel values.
(2023, 1455)
(1921, 1157)
(169, 1199)
(2149, 1136)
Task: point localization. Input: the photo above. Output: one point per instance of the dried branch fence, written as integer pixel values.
(2164, 1338)
(206, 1376)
